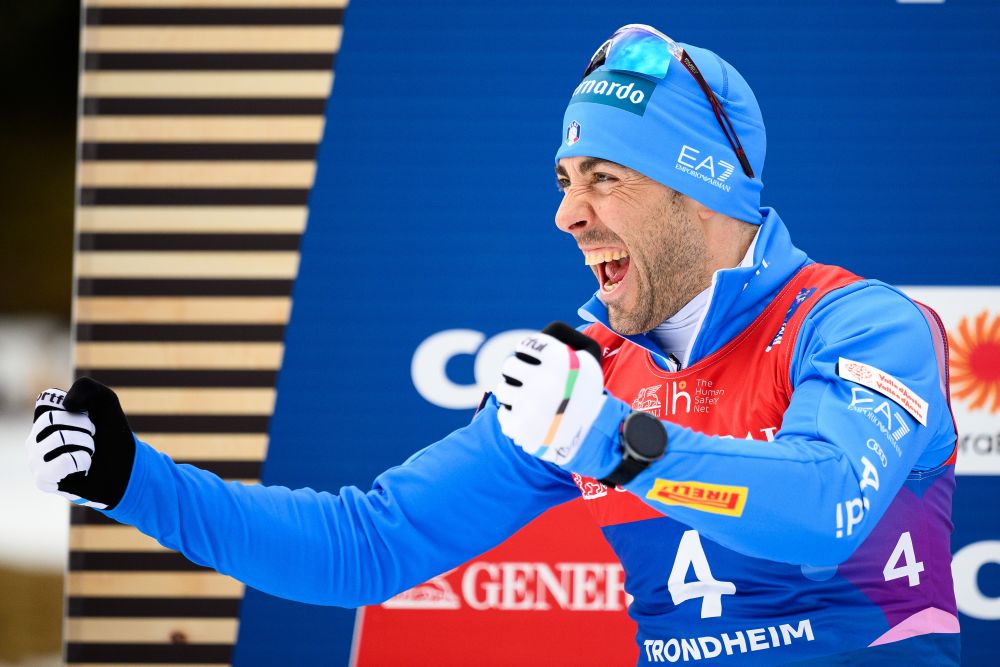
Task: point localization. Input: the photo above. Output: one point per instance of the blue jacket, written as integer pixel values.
(425, 516)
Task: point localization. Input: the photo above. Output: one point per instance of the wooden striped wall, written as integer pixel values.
(199, 125)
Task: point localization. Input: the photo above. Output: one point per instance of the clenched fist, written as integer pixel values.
(80, 445)
(550, 392)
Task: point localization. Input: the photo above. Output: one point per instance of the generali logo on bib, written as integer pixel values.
(521, 586)
(647, 400)
(591, 489)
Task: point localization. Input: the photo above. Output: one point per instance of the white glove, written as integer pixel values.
(61, 443)
(550, 395)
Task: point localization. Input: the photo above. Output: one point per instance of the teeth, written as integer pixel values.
(592, 258)
(609, 286)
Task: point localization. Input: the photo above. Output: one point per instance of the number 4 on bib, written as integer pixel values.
(691, 554)
(911, 567)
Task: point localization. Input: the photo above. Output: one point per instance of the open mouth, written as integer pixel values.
(610, 267)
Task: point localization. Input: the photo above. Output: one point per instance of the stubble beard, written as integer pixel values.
(673, 271)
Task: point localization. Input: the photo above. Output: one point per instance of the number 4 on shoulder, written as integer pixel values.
(910, 567)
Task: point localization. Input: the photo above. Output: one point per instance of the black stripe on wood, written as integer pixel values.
(83, 516)
(133, 654)
(199, 423)
(191, 16)
(203, 106)
(239, 470)
(139, 607)
(224, 469)
(134, 61)
(182, 287)
(132, 561)
(194, 196)
(188, 241)
(229, 469)
(197, 151)
(155, 377)
(214, 333)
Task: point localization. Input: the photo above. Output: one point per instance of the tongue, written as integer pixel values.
(615, 270)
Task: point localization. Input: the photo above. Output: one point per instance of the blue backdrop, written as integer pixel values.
(433, 203)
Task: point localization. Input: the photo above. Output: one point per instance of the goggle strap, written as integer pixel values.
(600, 57)
(720, 113)
(730, 132)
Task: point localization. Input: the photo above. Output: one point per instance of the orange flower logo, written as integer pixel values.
(975, 362)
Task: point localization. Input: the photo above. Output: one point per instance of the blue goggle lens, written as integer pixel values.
(639, 51)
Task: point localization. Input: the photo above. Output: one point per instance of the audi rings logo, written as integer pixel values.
(430, 361)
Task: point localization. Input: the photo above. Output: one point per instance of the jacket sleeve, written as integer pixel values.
(449, 502)
(820, 462)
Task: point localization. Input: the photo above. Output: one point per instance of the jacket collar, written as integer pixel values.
(738, 295)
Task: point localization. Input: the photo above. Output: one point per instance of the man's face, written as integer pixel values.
(642, 240)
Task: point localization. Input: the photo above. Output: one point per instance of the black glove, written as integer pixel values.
(81, 445)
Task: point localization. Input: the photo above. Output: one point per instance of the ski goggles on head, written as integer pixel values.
(641, 49)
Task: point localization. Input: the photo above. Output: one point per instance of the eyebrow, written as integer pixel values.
(587, 166)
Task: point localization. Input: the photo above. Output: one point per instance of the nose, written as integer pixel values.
(574, 213)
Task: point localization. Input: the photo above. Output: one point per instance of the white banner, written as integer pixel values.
(971, 316)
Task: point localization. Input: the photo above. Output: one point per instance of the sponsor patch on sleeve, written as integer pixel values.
(885, 384)
(714, 498)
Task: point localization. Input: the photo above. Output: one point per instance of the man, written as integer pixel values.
(802, 468)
